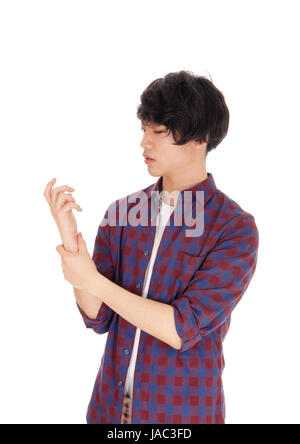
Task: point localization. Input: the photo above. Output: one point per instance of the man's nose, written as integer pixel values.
(146, 142)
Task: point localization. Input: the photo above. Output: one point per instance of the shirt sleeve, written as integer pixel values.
(218, 285)
(103, 260)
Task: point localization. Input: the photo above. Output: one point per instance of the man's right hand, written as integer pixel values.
(61, 205)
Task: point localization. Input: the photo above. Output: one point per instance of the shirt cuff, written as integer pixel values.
(183, 325)
(101, 316)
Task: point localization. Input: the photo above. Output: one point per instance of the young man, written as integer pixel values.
(165, 297)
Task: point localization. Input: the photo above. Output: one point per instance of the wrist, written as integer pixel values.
(69, 241)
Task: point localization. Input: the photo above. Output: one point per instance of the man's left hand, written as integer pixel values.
(78, 268)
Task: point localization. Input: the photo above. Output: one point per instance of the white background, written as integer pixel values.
(70, 81)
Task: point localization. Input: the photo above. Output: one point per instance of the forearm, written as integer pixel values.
(86, 301)
(89, 303)
(155, 318)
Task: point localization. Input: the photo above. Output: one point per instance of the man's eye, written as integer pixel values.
(156, 132)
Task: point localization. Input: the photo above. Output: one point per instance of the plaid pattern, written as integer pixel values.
(203, 278)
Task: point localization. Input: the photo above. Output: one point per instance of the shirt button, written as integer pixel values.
(126, 351)
(146, 252)
(120, 383)
(138, 285)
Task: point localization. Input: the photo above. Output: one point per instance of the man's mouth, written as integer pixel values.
(149, 160)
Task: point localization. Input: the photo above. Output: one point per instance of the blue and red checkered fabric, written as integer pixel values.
(203, 278)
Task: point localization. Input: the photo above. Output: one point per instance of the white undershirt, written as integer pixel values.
(162, 219)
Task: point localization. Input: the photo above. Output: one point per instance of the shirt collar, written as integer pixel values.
(207, 185)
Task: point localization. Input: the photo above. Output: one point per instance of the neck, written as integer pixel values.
(176, 183)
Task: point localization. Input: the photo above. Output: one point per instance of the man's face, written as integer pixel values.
(168, 159)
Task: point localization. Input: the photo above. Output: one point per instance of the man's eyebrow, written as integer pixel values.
(151, 125)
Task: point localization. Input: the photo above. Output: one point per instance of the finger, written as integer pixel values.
(80, 238)
(60, 249)
(59, 190)
(81, 242)
(48, 189)
(61, 200)
(69, 207)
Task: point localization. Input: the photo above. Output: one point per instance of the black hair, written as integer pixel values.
(188, 105)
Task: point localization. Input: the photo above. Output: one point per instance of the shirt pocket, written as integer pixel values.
(186, 267)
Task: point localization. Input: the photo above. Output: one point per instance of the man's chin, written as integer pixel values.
(154, 173)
